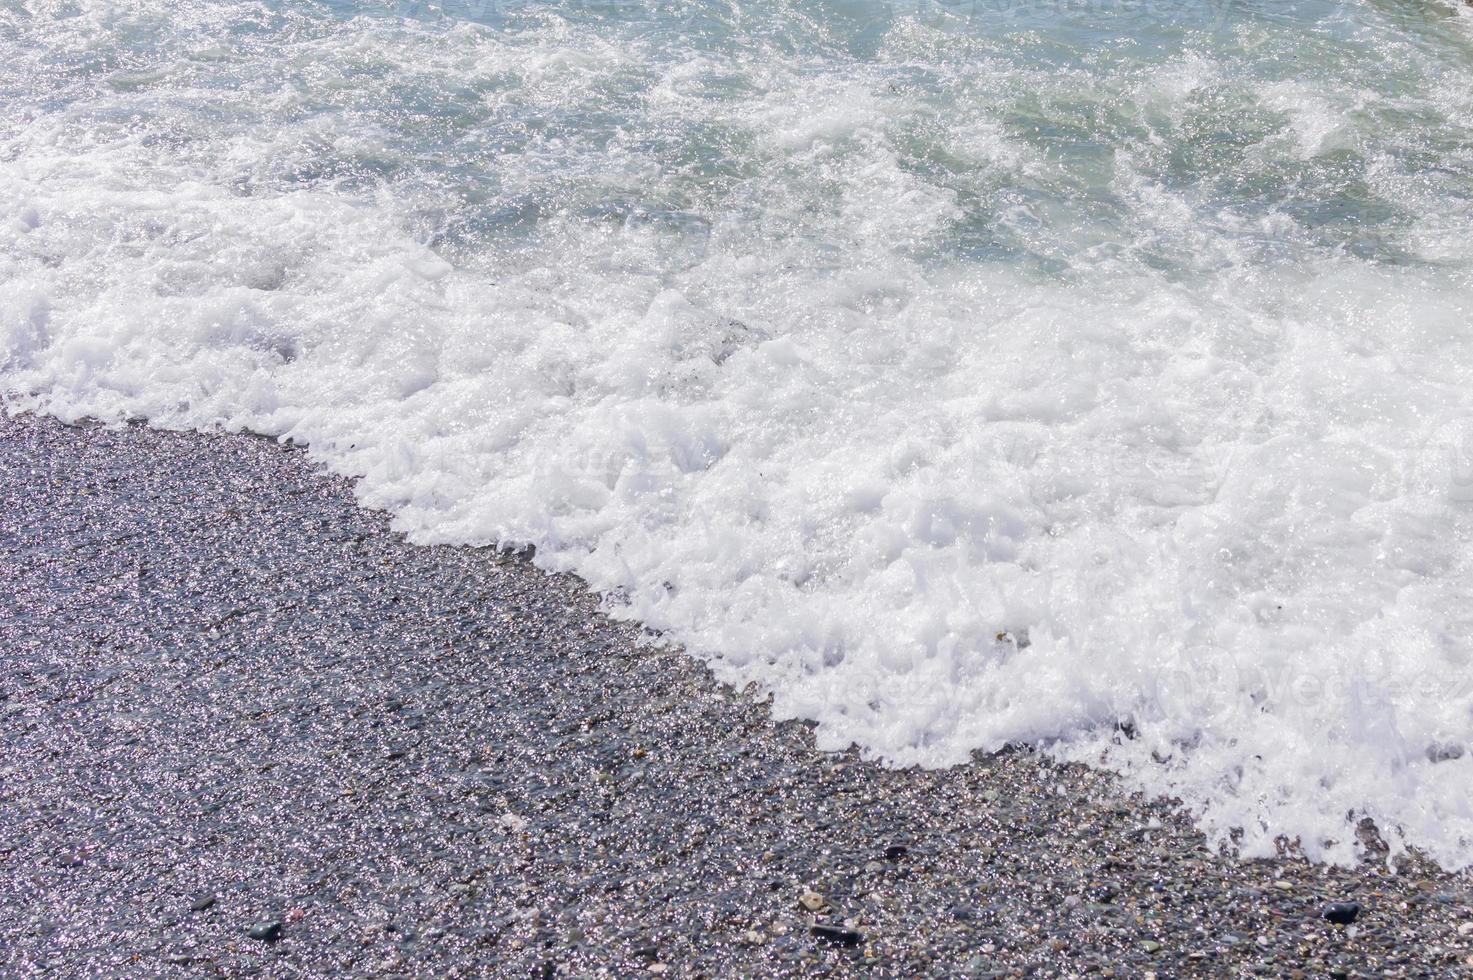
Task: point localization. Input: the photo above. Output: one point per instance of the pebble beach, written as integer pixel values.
(250, 730)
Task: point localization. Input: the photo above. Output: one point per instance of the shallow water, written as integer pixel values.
(958, 372)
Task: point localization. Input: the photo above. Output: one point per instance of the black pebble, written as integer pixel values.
(268, 931)
(202, 903)
(1342, 913)
(895, 852)
(837, 936)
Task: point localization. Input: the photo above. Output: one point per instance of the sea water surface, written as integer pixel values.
(1092, 374)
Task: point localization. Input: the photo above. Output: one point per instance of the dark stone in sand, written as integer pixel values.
(202, 903)
(896, 851)
(836, 936)
(268, 931)
(1342, 913)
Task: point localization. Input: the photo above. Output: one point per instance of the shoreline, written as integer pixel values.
(234, 700)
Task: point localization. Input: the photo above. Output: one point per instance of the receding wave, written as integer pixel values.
(1098, 376)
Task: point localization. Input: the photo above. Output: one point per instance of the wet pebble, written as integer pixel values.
(836, 936)
(267, 930)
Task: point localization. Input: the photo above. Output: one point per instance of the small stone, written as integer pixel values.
(895, 852)
(1283, 885)
(847, 938)
(874, 866)
(1342, 913)
(812, 901)
(459, 888)
(657, 968)
(1466, 929)
(267, 930)
(1151, 946)
(1444, 751)
(202, 903)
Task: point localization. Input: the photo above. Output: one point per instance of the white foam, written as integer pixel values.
(952, 398)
